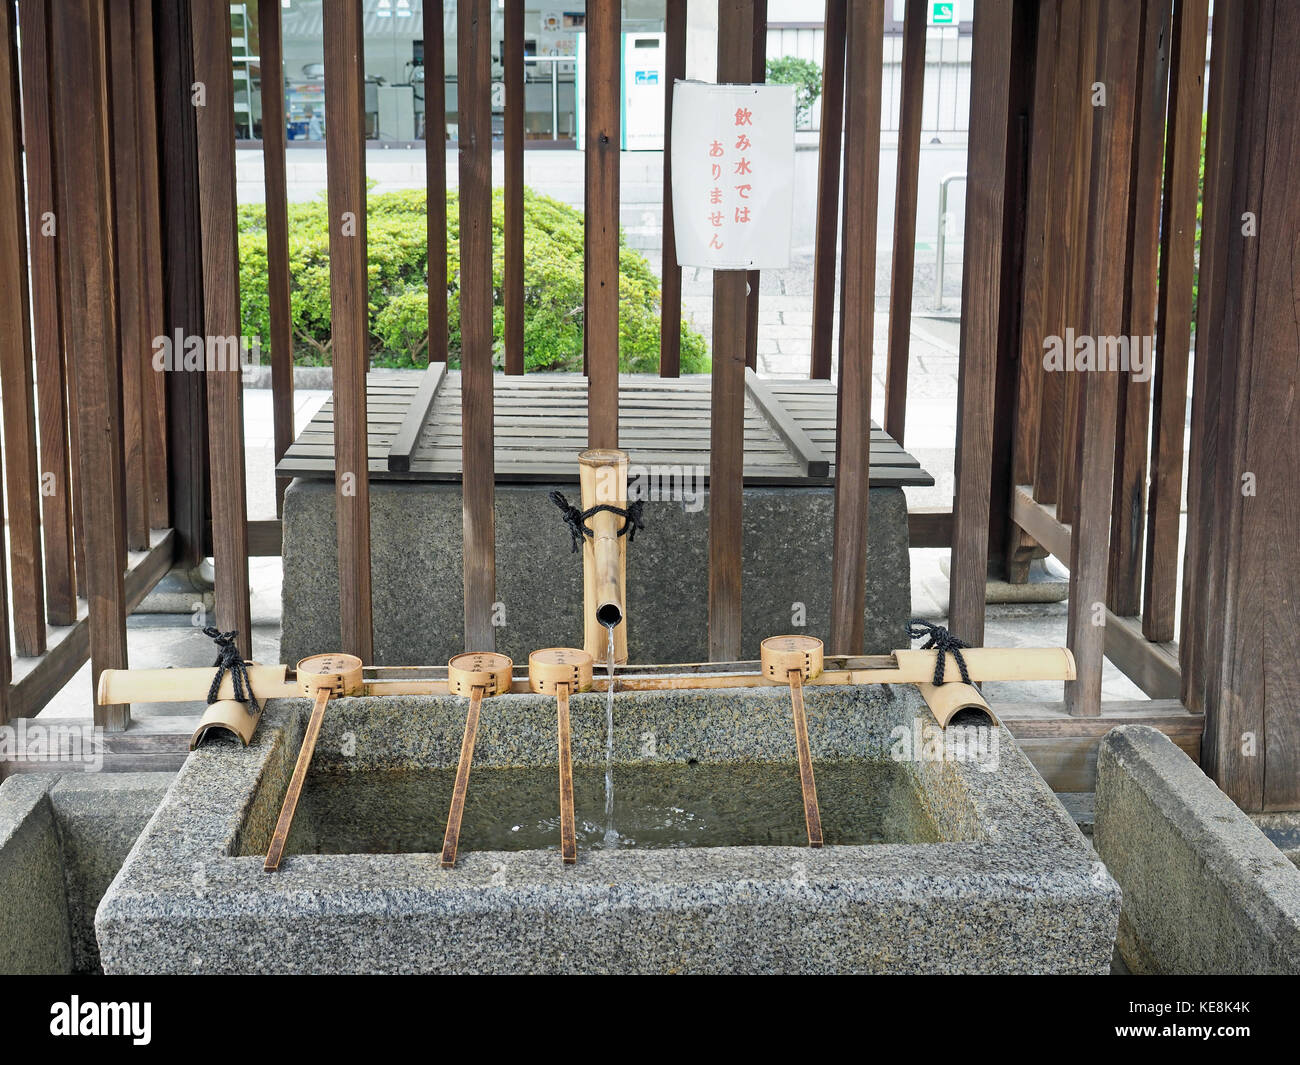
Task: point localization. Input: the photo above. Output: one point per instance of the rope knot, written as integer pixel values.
(944, 642)
(229, 659)
(577, 519)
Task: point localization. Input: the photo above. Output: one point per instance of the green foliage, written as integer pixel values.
(804, 75)
(398, 285)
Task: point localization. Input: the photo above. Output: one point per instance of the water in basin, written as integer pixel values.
(404, 811)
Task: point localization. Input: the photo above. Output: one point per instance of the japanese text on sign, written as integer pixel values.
(733, 175)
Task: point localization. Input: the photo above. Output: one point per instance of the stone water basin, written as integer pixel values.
(956, 860)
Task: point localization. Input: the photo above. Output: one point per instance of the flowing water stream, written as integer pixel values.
(611, 834)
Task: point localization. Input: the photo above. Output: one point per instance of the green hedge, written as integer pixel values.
(399, 321)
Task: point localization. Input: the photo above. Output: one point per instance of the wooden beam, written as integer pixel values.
(1004, 558)
(1200, 583)
(22, 479)
(600, 281)
(435, 166)
(1083, 113)
(908, 176)
(274, 172)
(136, 345)
(1039, 521)
(1153, 667)
(1174, 318)
(1033, 315)
(152, 300)
(828, 189)
(216, 151)
(812, 457)
(51, 379)
(670, 302)
(345, 161)
(81, 149)
(727, 411)
(929, 527)
(1252, 746)
(1056, 260)
(1128, 507)
(758, 76)
(1063, 748)
(188, 481)
(37, 681)
(407, 437)
(1111, 158)
(473, 94)
(982, 269)
(513, 286)
(864, 40)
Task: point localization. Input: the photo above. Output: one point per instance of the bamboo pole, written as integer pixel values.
(568, 831)
(451, 840)
(282, 826)
(901, 667)
(603, 475)
(807, 784)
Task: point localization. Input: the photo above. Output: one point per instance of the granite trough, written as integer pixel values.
(945, 854)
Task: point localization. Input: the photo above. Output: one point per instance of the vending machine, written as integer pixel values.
(642, 71)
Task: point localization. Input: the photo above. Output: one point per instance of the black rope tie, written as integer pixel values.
(577, 519)
(945, 642)
(229, 658)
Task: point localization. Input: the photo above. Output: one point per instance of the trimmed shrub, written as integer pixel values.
(398, 285)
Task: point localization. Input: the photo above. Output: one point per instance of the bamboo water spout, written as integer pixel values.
(603, 474)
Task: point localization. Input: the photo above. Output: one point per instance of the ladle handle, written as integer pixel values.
(811, 811)
(568, 833)
(452, 839)
(281, 834)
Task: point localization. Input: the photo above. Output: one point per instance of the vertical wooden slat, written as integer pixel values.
(670, 303)
(1107, 217)
(1033, 301)
(981, 273)
(1033, 305)
(908, 174)
(758, 75)
(345, 162)
(1199, 581)
(1076, 244)
(277, 234)
(152, 303)
(1020, 102)
(602, 130)
(81, 151)
(188, 476)
(513, 294)
(132, 328)
(1269, 548)
(19, 407)
(1051, 424)
(51, 380)
(1251, 746)
(216, 150)
(474, 73)
(1128, 508)
(435, 163)
(1174, 318)
(864, 40)
(828, 190)
(727, 405)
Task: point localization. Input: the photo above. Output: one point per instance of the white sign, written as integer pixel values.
(733, 175)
